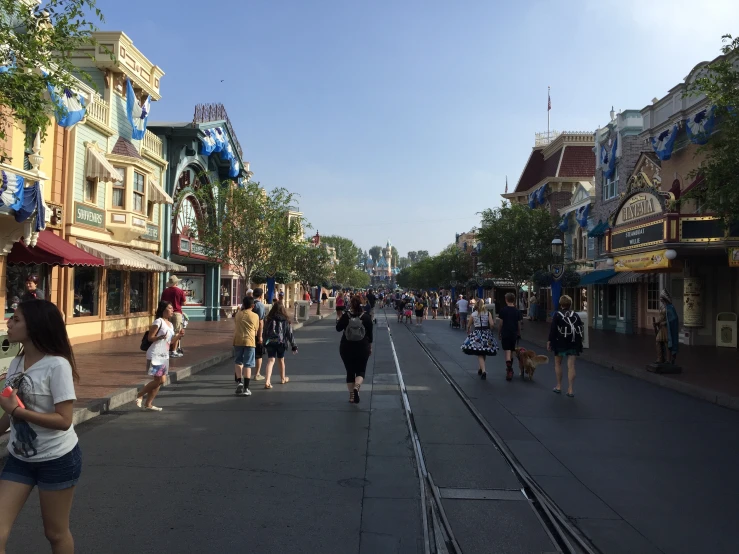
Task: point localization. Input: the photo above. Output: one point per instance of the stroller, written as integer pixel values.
(454, 321)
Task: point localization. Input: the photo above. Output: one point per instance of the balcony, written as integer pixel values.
(98, 115)
(151, 147)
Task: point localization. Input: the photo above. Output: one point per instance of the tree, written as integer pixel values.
(249, 229)
(347, 252)
(312, 265)
(422, 255)
(404, 262)
(375, 253)
(395, 258)
(413, 256)
(516, 241)
(36, 39)
(719, 81)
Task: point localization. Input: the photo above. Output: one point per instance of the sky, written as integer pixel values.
(401, 119)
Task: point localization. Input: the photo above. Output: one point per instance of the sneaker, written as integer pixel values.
(138, 402)
(175, 355)
(246, 392)
(259, 377)
(508, 374)
(240, 388)
(153, 408)
(180, 352)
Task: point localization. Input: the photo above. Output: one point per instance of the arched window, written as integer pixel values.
(186, 222)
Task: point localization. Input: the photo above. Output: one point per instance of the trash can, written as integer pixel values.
(331, 303)
(726, 329)
(303, 310)
(585, 339)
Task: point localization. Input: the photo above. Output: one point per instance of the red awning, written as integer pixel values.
(51, 250)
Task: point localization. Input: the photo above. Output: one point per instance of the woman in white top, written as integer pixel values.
(43, 447)
(480, 340)
(161, 334)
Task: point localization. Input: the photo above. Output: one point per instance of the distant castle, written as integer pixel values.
(383, 272)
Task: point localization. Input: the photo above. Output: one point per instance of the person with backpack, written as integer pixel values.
(565, 339)
(419, 308)
(277, 335)
(160, 336)
(356, 345)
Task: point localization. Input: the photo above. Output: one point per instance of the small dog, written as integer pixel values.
(528, 360)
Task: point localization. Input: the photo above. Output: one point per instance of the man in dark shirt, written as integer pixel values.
(175, 296)
(32, 290)
(372, 299)
(509, 329)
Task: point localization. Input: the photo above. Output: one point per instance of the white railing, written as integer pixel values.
(98, 111)
(542, 139)
(152, 143)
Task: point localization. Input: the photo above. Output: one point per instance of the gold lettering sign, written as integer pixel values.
(639, 206)
(641, 262)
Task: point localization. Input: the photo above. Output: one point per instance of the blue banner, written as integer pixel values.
(220, 139)
(611, 160)
(664, 143)
(138, 115)
(208, 143)
(581, 216)
(11, 190)
(700, 126)
(69, 107)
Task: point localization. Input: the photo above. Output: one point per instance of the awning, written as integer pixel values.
(51, 250)
(157, 194)
(98, 167)
(598, 277)
(630, 277)
(599, 230)
(170, 266)
(125, 258)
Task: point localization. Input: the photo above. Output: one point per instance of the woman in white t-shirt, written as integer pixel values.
(43, 449)
(161, 334)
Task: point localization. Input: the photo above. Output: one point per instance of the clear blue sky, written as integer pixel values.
(400, 119)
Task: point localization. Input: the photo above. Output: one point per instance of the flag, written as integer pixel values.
(506, 184)
(549, 98)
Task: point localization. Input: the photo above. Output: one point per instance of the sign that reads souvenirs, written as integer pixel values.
(639, 206)
(644, 235)
(87, 215)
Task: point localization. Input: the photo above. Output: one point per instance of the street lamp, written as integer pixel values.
(454, 283)
(557, 270)
(557, 249)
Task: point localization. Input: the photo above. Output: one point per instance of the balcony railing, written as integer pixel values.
(99, 112)
(153, 144)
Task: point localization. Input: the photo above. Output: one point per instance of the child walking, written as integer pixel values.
(565, 339)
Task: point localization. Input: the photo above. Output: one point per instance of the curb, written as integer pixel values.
(126, 395)
(718, 398)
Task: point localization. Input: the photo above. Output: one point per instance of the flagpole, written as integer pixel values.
(549, 109)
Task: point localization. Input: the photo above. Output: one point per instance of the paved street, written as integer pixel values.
(298, 469)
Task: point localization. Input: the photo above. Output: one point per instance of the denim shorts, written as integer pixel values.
(50, 475)
(245, 355)
(276, 351)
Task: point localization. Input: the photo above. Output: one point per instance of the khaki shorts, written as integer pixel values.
(177, 322)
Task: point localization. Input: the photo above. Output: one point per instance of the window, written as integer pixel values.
(622, 294)
(119, 191)
(653, 296)
(139, 301)
(86, 286)
(612, 300)
(91, 188)
(610, 187)
(114, 290)
(599, 300)
(15, 284)
(138, 192)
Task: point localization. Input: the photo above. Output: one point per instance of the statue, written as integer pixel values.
(666, 341)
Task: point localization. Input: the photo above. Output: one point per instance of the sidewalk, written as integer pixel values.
(112, 370)
(709, 373)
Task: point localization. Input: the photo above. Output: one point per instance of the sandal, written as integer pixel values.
(484, 375)
(139, 401)
(286, 380)
(351, 396)
(267, 385)
(557, 391)
(479, 371)
(571, 394)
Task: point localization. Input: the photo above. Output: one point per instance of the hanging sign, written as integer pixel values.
(692, 302)
(636, 237)
(641, 262)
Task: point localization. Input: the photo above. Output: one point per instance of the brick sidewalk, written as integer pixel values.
(709, 373)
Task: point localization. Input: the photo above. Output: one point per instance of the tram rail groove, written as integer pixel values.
(561, 531)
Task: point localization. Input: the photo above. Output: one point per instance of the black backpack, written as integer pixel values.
(145, 342)
(571, 328)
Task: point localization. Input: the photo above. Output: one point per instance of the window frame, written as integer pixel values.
(656, 296)
(139, 194)
(621, 298)
(119, 186)
(147, 288)
(96, 294)
(610, 187)
(94, 196)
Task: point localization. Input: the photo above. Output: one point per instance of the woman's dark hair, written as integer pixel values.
(47, 331)
(163, 305)
(355, 304)
(278, 307)
(247, 302)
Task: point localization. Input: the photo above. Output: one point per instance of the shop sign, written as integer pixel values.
(152, 232)
(198, 249)
(639, 206)
(692, 302)
(87, 215)
(733, 257)
(641, 262)
(706, 229)
(644, 235)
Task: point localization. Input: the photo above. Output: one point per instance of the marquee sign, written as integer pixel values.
(639, 206)
(637, 237)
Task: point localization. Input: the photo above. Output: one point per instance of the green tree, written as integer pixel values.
(38, 38)
(719, 82)
(312, 265)
(404, 262)
(395, 257)
(249, 229)
(422, 255)
(347, 252)
(516, 241)
(413, 256)
(375, 252)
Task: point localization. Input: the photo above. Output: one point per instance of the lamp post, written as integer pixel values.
(557, 270)
(478, 278)
(454, 283)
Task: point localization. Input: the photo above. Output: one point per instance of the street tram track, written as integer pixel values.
(562, 532)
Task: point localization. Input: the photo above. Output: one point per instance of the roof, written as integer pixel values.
(170, 124)
(537, 169)
(578, 161)
(124, 147)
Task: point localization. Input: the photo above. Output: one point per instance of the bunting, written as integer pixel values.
(233, 171)
(610, 162)
(541, 195)
(532, 200)
(70, 108)
(209, 143)
(11, 190)
(564, 223)
(23, 200)
(581, 216)
(219, 137)
(138, 115)
(700, 126)
(664, 143)
(227, 153)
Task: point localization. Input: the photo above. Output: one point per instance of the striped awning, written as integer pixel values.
(157, 194)
(630, 277)
(118, 257)
(98, 167)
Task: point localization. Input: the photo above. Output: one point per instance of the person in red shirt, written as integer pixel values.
(175, 296)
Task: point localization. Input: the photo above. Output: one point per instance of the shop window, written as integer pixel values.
(226, 292)
(622, 294)
(114, 293)
(193, 285)
(91, 191)
(653, 297)
(139, 299)
(138, 192)
(612, 300)
(86, 287)
(119, 191)
(610, 187)
(15, 284)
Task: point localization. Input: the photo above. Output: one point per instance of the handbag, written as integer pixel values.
(145, 342)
